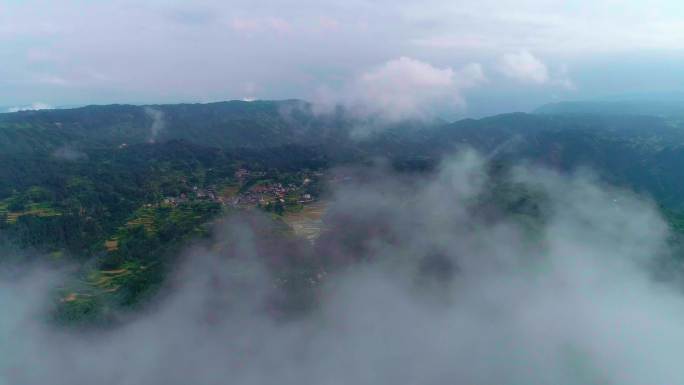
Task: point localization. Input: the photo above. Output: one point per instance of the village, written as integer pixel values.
(261, 193)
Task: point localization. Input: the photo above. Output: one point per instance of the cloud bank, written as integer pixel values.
(527, 68)
(417, 280)
(406, 88)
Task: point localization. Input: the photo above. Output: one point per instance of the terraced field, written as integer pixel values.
(37, 209)
(112, 244)
(182, 213)
(108, 280)
(3, 211)
(230, 192)
(307, 223)
(144, 217)
(102, 282)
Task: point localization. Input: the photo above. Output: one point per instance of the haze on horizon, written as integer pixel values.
(461, 57)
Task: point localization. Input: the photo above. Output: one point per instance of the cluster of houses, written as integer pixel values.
(198, 193)
(260, 194)
(265, 193)
(242, 174)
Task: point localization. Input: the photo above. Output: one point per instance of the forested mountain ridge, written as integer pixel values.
(670, 108)
(640, 151)
(225, 124)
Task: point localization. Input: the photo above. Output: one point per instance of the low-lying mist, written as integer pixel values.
(443, 279)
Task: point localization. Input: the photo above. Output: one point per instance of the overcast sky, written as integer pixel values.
(470, 57)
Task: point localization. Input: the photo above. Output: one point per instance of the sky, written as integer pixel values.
(467, 58)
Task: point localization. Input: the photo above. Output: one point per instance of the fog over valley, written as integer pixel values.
(443, 290)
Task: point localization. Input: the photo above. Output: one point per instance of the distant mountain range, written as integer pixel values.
(635, 107)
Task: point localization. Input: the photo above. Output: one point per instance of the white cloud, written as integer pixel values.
(524, 67)
(469, 76)
(407, 88)
(32, 107)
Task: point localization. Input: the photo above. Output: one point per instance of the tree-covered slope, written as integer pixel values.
(639, 152)
(233, 124)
